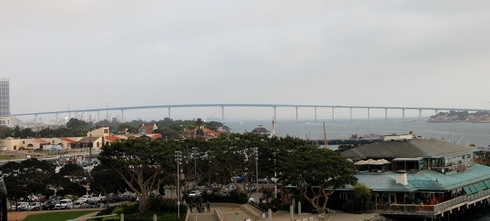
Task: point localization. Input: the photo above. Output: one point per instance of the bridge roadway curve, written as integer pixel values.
(274, 106)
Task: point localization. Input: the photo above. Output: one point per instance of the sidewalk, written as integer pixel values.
(88, 215)
(336, 216)
(230, 210)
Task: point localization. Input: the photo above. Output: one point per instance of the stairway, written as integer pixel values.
(202, 217)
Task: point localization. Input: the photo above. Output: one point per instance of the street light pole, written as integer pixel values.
(178, 159)
(275, 177)
(256, 149)
(194, 153)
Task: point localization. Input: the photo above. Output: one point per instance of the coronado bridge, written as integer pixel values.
(273, 107)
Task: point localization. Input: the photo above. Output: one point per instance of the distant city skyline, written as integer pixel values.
(84, 54)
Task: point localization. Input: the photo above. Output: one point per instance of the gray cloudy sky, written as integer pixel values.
(83, 53)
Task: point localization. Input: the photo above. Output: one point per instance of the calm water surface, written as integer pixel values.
(463, 133)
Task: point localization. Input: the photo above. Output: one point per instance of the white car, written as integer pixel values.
(64, 204)
(195, 193)
(20, 206)
(87, 198)
(34, 206)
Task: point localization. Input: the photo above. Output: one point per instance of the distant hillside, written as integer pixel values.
(460, 116)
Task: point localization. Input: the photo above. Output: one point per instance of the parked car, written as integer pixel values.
(195, 193)
(49, 204)
(113, 198)
(20, 206)
(77, 204)
(90, 204)
(128, 197)
(35, 206)
(64, 204)
(87, 198)
(230, 188)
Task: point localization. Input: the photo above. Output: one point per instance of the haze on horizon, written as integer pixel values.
(86, 53)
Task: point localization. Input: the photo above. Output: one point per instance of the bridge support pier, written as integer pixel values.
(169, 117)
(403, 114)
(386, 113)
(420, 114)
(275, 116)
(296, 113)
(223, 114)
(333, 113)
(315, 116)
(350, 113)
(369, 114)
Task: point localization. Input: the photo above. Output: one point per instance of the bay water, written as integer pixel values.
(462, 133)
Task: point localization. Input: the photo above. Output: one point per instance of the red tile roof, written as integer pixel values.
(112, 138)
(68, 140)
(156, 136)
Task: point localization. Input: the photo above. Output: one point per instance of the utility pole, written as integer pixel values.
(194, 153)
(178, 160)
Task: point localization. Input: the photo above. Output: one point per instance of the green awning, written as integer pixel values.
(472, 188)
(482, 185)
(478, 187)
(467, 190)
(487, 183)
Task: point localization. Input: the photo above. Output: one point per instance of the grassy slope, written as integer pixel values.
(61, 216)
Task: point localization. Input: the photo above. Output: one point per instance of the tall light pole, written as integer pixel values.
(275, 176)
(178, 160)
(194, 154)
(256, 153)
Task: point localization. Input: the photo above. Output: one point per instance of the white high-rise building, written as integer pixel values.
(5, 118)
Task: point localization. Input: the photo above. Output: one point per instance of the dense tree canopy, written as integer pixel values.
(145, 165)
(317, 172)
(142, 164)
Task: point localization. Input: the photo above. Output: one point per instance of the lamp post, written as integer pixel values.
(194, 155)
(256, 153)
(275, 176)
(178, 160)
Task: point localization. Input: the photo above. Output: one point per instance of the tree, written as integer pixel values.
(100, 183)
(142, 164)
(362, 199)
(316, 172)
(27, 177)
(76, 173)
(213, 125)
(74, 123)
(127, 127)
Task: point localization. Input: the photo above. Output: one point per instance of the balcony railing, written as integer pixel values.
(431, 210)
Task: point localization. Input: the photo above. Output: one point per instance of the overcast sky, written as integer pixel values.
(84, 54)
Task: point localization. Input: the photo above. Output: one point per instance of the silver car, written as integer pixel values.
(64, 204)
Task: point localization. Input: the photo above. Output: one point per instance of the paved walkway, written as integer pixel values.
(335, 216)
(21, 215)
(230, 211)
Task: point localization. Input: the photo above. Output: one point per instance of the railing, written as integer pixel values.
(219, 214)
(256, 205)
(431, 209)
(450, 203)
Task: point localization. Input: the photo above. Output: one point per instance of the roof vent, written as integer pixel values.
(401, 177)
